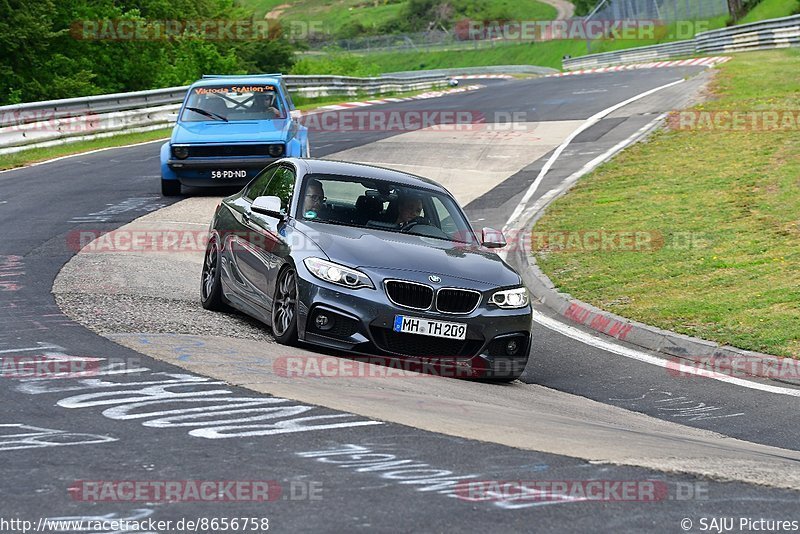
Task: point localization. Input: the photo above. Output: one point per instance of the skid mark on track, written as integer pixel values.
(133, 204)
(11, 271)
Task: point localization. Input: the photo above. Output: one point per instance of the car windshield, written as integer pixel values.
(232, 102)
(382, 205)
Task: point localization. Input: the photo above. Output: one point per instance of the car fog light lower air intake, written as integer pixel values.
(323, 322)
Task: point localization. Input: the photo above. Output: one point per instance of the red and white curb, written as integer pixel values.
(483, 77)
(697, 62)
(423, 96)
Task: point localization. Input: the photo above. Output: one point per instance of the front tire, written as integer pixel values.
(504, 371)
(170, 188)
(284, 308)
(211, 287)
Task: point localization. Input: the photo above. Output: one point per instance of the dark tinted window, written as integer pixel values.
(233, 103)
(288, 96)
(382, 205)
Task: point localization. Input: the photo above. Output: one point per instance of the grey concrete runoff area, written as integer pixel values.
(180, 395)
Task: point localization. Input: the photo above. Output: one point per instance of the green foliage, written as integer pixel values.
(423, 15)
(338, 64)
(584, 7)
(770, 9)
(46, 55)
(346, 19)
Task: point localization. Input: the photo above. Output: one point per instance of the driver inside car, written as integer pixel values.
(409, 208)
(265, 104)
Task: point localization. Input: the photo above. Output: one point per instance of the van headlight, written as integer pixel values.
(509, 299)
(337, 274)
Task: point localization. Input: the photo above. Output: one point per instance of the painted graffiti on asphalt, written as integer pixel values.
(677, 407)
(423, 476)
(205, 408)
(17, 436)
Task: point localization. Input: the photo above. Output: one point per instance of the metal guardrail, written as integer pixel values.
(434, 39)
(38, 124)
(632, 55)
(762, 35)
(315, 86)
(772, 33)
(492, 69)
(319, 85)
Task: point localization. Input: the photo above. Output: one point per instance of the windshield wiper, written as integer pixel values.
(207, 113)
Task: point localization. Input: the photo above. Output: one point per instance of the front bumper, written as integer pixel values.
(363, 321)
(198, 171)
(221, 163)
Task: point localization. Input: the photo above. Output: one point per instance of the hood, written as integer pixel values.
(381, 250)
(267, 131)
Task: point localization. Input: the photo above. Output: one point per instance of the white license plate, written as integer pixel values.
(239, 173)
(429, 327)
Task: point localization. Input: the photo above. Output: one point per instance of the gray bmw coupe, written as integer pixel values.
(370, 261)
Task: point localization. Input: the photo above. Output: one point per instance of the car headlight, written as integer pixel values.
(275, 150)
(509, 299)
(338, 274)
(180, 151)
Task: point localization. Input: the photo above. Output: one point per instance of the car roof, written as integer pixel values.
(360, 170)
(231, 80)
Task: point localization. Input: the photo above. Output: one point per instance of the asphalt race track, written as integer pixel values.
(355, 454)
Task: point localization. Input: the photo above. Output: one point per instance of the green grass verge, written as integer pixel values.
(547, 54)
(33, 155)
(332, 18)
(260, 8)
(342, 17)
(544, 54)
(771, 9)
(725, 204)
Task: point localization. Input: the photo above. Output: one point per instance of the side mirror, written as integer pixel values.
(268, 206)
(296, 114)
(491, 238)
